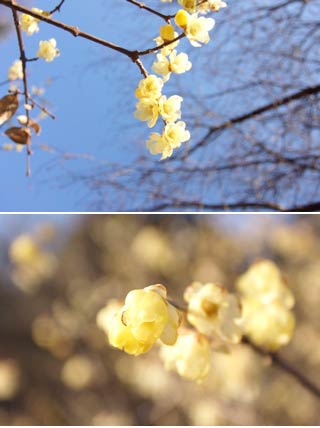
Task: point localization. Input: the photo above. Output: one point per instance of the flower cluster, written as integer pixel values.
(151, 103)
(29, 24)
(267, 302)
(215, 320)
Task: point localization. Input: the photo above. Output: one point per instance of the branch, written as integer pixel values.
(57, 8)
(306, 92)
(216, 207)
(76, 32)
(149, 9)
(287, 367)
(23, 59)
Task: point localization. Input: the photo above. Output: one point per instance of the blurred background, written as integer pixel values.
(57, 272)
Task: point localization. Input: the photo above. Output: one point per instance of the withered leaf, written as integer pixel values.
(23, 120)
(19, 135)
(35, 126)
(8, 106)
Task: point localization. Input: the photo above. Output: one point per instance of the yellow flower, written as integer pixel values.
(167, 33)
(264, 281)
(145, 313)
(15, 72)
(174, 134)
(106, 314)
(179, 63)
(29, 24)
(269, 326)
(267, 319)
(149, 316)
(190, 356)
(211, 5)
(174, 64)
(158, 145)
(23, 250)
(150, 87)
(121, 337)
(145, 317)
(47, 50)
(212, 310)
(162, 67)
(31, 265)
(189, 5)
(196, 29)
(182, 18)
(147, 109)
(170, 108)
(216, 5)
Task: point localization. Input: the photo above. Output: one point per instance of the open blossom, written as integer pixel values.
(29, 23)
(145, 317)
(150, 87)
(15, 72)
(48, 50)
(190, 356)
(147, 110)
(174, 134)
(269, 326)
(196, 29)
(266, 299)
(212, 5)
(170, 108)
(121, 337)
(216, 5)
(264, 281)
(213, 310)
(175, 63)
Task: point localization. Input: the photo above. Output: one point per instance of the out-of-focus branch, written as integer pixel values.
(283, 364)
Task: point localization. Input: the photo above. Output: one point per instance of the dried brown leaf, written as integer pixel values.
(19, 135)
(35, 126)
(8, 106)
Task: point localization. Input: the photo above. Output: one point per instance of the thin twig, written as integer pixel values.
(149, 9)
(278, 360)
(23, 59)
(57, 8)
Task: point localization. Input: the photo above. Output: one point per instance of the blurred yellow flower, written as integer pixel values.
(23, 250)
(28, 23)
(15, 72)
(213, 310)
(77, 372)
(264, 281)
(190, 356)
(269, 326)
(267, 319)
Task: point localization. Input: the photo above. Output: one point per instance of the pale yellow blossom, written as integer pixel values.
(48, 50)
(190, 356)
